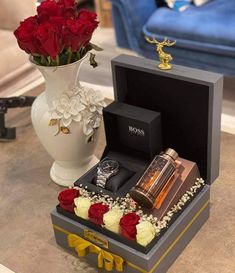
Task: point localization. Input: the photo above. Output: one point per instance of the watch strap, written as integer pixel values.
(101, 180)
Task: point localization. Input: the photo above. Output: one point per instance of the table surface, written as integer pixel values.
(27, 196)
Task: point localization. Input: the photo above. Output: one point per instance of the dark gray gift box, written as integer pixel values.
(189, 101)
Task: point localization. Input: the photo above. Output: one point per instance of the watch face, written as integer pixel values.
(109, 166)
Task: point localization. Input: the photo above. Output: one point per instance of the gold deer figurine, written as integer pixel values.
(164, 57)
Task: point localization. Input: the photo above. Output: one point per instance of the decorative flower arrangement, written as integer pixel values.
(81, 104)
(122, 216)
(59, 34)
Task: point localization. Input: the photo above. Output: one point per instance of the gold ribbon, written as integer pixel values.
(105, 259)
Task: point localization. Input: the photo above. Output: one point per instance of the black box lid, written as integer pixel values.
(189, 101)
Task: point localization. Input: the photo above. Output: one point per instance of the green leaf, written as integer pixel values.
(43, 60)
(88, 47)
(63, 58)
(92, 60)
(49, 60)
(37, 59)
(69, 53)
(95, 47)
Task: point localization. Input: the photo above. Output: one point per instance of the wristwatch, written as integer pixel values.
(106, 169)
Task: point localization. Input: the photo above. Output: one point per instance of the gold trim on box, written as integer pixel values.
(92, 236)
(165, 253)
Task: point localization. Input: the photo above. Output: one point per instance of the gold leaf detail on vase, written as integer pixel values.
(53, 122)
(65, 130)
(90, 139)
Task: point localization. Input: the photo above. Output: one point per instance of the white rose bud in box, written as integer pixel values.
(145, 233)
(82, 206)
(112, 219)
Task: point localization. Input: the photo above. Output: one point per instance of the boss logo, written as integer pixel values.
(136, 131)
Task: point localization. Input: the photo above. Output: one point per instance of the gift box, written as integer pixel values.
(189, 103)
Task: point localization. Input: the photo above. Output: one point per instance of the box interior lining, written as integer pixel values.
(184, 108)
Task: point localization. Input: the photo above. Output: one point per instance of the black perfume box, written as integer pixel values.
(189, 105)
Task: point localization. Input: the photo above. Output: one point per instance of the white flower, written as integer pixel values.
(92, 99)
(82, 206)
(91, 121)
(80, 104)
(145, 233)
(112, 218)
(67, 109)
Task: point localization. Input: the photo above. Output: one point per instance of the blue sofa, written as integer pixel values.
(205, 35)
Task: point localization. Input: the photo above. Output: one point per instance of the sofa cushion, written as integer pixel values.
(206, 28)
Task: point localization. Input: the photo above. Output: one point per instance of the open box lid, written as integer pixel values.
(189, 101)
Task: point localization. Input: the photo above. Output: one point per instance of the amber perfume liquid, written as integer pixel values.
(155, 178)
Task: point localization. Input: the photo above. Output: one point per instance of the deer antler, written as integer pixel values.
(167, 42)
(155, 41)
(151, 40)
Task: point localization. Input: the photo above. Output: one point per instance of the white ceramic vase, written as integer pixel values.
(73, 153)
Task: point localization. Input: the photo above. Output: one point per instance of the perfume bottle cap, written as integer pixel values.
(172, 153)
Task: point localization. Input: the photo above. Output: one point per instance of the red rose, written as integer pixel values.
(67, 4)
(96, 213)
(90, 22)
(66, 199)
(87, 15)
(49, 38)
(77, 33)
(68, 7)
(25, 35)
(58, 22)
(71, 35)
(87, 31)
(48, 9)
(128, 225)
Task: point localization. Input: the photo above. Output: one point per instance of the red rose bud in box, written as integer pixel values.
(128, 225)
(66, 199)
(96, 213)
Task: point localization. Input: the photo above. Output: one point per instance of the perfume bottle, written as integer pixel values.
(155, 178)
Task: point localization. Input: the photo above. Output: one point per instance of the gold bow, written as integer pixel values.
(105, 259)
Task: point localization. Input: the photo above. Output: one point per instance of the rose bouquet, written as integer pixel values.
(59, 34)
